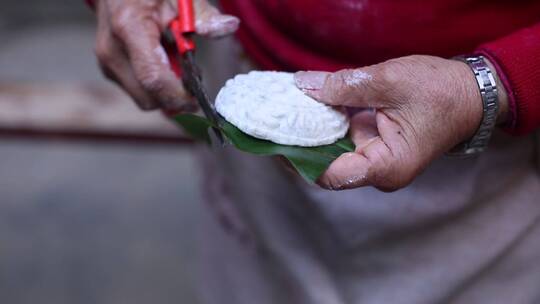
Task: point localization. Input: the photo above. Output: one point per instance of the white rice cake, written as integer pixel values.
(269, 106)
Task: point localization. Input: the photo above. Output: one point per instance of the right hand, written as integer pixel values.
(129, 51)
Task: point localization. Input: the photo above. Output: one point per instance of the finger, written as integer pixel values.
(384, 162)
(141, 38)
(211, 23)
(346, 172)
(115, 66)
(354, 88)
(363, 128)
(126, 80)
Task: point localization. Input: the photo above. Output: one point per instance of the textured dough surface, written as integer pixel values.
(269, 106)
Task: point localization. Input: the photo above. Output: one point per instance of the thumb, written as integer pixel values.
(350, 87)
(383, 158)
(211, 22)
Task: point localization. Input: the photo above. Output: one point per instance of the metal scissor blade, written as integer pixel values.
(192, 79)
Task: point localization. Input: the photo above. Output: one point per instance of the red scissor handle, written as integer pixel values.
(184, 26)
(186, 16)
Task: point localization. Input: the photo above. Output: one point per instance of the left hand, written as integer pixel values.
(415, 109)
(130, 53)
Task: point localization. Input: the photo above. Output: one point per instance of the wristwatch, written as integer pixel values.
(490, 100)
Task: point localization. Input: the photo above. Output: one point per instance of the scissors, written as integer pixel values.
(180, 46)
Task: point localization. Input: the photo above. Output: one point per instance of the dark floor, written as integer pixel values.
(86, 222)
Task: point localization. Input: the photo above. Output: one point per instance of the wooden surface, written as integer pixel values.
(79, 111)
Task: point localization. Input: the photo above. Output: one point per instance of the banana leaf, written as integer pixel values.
(309, 162)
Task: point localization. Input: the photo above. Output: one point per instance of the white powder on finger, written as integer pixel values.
(269, 106)
(357, 77)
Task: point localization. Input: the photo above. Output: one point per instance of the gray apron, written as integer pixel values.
(465, 231)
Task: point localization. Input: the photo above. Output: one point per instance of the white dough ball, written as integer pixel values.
(269, 106)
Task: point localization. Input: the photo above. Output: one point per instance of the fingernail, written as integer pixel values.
(347, 184)
(353, 182)
(310, 81)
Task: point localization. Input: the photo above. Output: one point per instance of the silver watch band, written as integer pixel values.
(490, 100)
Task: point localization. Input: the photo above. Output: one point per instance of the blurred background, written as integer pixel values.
(97, 199)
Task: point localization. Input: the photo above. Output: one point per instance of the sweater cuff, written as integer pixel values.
(517, 60)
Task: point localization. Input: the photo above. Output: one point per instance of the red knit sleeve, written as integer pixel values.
(517, 59)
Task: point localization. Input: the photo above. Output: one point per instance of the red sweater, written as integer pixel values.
(334, 34)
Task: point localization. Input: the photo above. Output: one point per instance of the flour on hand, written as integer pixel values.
(269, 106)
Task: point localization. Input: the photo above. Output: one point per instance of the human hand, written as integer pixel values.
(413, 109)
(129, 51)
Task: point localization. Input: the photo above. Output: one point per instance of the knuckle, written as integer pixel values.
(161, 85)
(390, 73)
(392, 80)
(151, 80)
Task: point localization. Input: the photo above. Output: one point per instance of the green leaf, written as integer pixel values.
(310, 162)
(195, 126)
